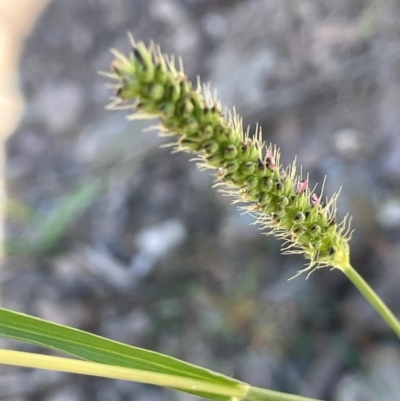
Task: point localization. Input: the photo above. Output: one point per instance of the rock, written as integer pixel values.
(59, 105)
(155, 242)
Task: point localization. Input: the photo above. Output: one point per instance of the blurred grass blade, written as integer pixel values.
(50, 229)
(98, 349)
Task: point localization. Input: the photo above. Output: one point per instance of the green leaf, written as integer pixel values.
(98, 349)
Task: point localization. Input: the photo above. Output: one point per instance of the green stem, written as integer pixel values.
(373, 298)
(260, 394)
(61, 364)
(235, 391)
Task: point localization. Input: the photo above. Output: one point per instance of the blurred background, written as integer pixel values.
(107, 232)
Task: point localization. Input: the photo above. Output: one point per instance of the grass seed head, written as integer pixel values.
(250, 171)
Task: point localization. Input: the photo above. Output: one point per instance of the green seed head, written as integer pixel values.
(250, 170)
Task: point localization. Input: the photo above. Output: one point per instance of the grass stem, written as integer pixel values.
(373, 298)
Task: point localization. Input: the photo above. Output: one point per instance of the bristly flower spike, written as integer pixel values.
(249, 170)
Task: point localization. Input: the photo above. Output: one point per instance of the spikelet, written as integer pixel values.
(245, 167)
